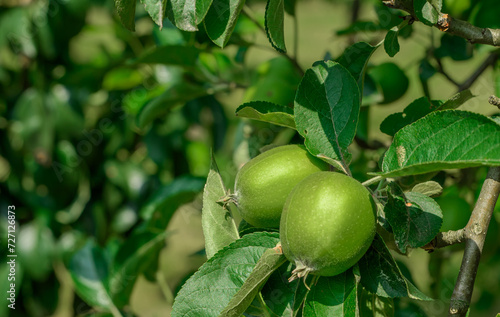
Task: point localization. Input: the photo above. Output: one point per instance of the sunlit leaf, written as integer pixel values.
(218, 224)
(327, 109)
(267, 112)
(211, 288)
(443, 140)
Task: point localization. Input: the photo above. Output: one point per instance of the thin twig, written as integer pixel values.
(490, 60)
(247, 12)
(445, 239)
(475, 234)
(446, 23)
(445, 74)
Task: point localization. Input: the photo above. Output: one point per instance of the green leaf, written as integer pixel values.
(428, 11)
(430, 188)
(360, 27)
(301, 293)
(218, 224)
(156, 10)
(332, 296)
(126, 13)
(185, 56)
(133, 257)
(457, 100)
(122, 78)
(275, 29)
(36, 249)
(455, 47)
(419, 108)
(327, 109)
(276, 82)
(372, 305)
(270, 261)
(177, 93)
(279, 294)
(443, 140)
(158, 209)
(211, 288)
(267, 112)
(187, 14)
(381, 275)
(390, 80)
(355, 59)
(290, 7)
(391, 43)
(221, 20)
(415, 218)
(89, 271)
(414, 111)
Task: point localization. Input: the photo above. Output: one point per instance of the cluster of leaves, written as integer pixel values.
(78, 122)
(325, 113)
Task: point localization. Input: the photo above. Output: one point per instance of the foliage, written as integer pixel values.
(109, 137)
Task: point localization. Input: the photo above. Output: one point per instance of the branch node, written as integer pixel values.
(494, 100)
(458, 307)
(443, 23)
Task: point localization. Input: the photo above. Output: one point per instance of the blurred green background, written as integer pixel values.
(97, 142)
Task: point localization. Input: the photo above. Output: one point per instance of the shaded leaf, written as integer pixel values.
(156, 10)
(276, 82)
(290, 6)
(390, 80)
(391, 43)
(372, 305)
(381, 275)
(327, 109)
(267, 112)
(218, 224)
(177, 93)
(187, 14)
(415, 218)
(126, 12)
(158, 209)
(221, 20)
(332, 296)
(419, 108)
(355, 59)
(443, 140)
(211, 288)
(428, 11)
(275, 29)
(456, 47)
(270, 261)
(278, 293)
(89, 271)
(134, 256)
(185, 56)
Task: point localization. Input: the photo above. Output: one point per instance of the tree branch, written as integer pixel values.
(445, 23)
(490, 60)
(445, 239)
(475, 233)
(248, 13)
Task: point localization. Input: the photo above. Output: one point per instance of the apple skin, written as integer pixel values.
(328, 223)
(263, 184)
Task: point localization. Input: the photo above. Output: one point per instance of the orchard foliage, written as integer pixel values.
(151, 105)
